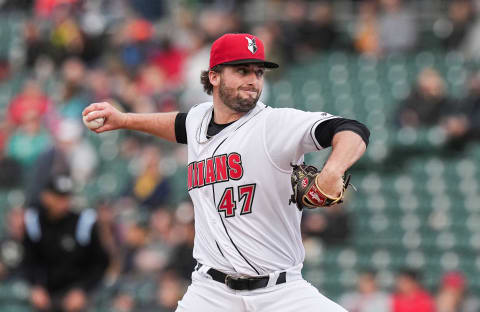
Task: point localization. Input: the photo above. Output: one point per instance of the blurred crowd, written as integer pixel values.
(410, 295)
(429, 105)
(146, 56)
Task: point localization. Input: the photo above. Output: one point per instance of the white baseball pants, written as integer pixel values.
(207, 295)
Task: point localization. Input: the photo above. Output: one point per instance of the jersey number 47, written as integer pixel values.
(229, 205)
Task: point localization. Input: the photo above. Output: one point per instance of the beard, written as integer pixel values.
(237, 103)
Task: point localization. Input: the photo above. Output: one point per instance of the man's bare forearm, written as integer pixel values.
(347, 148)
(161, 125)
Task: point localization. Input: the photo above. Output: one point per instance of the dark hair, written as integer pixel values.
(410, 273)
(205, 80)
(369, 271)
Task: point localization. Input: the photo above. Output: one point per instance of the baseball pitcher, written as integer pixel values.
(247, 182)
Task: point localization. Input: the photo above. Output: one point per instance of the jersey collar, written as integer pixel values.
(201, 134)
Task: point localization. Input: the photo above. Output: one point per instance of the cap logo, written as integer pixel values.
(64, 184)
(252, 45)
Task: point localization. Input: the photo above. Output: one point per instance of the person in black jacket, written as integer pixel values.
(428, 103)
(64, 258)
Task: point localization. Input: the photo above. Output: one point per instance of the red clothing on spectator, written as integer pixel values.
(171, 62)
(25, 103)
(140, 30)
(420, 301)
(45, 7)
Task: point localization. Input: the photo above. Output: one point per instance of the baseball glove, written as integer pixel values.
(306, 192)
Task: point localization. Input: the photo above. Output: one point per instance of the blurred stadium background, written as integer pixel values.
(418, 201)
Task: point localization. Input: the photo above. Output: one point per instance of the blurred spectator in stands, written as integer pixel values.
(93, 24)
(123, 302)
(44, 73)
(452, 295)
(170, 290)
(122, 90)
(269, 33)
(150, 80)
(294, 30)
(427, 103)
(331, 225)
(170, 59)
(10, 168)
(471, 106)
(154, 293)
(215, 22)
(152, 10)
(199, 54)
(98, 85)
(321, 33)
(110, 236)
(183, 233)
(64, 257)
(30, 100)
(368, 297)
(463, 125)
(366, 40)
(66, 36)
(155, 89)
(150, 187)
(73, 97)
(397, 27)
(453, 30)
(35, 44)
(471, 44)
(29, 140)
(71, 154)
(11, 248)
(81, 156)
(45, 8)
(134, 231)
(134, 41)
(13, 287)
(154, 253)
(409, 295)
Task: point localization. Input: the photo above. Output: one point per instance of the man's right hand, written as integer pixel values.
(158, 124)
(40, 298)
(114, 119)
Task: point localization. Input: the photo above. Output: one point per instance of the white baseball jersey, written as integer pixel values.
(239, 181)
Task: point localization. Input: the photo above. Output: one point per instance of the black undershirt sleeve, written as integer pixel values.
(326, 130)
(181, 128)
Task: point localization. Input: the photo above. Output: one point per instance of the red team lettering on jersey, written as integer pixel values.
(215, 169)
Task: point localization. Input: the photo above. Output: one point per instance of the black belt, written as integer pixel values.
(239, 283)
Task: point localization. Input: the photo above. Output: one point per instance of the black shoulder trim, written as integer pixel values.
(181, 128)
(325, 131)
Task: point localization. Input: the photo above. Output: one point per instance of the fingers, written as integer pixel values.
(96, 114)
(95, 107)
(102, 129)
(112, 118)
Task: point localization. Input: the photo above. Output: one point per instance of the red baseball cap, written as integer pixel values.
(454, 280)
(231, 49)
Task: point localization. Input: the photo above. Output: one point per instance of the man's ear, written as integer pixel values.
(214, 78)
